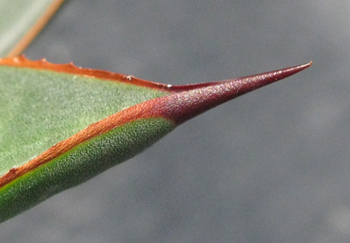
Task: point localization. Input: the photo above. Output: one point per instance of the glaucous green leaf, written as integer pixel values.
(39, 108)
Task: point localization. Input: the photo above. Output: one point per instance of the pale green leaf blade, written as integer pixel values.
(20, 21)
(39, 108)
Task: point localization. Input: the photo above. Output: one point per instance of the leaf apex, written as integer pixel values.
(182, 106)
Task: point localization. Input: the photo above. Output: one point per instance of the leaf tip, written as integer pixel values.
(182, 106)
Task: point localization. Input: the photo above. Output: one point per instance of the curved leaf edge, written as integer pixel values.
(70, 68)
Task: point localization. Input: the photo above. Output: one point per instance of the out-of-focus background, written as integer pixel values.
(270, 166)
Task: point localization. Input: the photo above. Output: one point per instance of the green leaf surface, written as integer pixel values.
(80, 164)
(61, 125)
(39, 108)
(20, 21)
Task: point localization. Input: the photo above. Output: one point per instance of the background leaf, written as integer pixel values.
(20, 21)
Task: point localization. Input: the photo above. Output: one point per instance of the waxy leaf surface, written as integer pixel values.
(39, 108)
(21, 20)
(61, 125)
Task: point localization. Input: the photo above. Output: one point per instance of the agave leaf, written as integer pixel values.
(61, 125)
(21, 20)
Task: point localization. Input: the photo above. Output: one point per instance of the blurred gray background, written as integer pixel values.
(270, 166)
